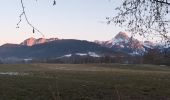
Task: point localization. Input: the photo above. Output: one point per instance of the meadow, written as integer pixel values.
(84, 82)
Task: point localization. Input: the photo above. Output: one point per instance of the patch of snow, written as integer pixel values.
(68, 55)
(122, 46)
(81, 54)
(13, 73)
(134, 53)
(162, 65)
(27, 60)
(149, 44)
(126, 41)
(93, 54)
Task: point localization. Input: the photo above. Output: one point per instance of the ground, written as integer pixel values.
(84, 82)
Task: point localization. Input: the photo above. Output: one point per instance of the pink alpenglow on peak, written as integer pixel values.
(40, 40)
(122, 35)
(29, 42)
(122, 40)
(32, 41)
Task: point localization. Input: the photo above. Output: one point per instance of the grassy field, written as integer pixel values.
(84, 82)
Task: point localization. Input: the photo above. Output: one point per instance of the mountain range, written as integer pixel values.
(32, 48)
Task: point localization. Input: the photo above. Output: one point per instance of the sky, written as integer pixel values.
(68, 19)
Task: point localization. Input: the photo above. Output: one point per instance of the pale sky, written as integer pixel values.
(69, 19)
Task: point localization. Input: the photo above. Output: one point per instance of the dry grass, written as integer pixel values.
(85, 82)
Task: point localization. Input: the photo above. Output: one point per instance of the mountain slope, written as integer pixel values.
(52, 49)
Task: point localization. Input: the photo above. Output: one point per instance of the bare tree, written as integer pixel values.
(144, 17)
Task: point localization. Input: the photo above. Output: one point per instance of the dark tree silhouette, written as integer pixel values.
(144, 17)
(152, 56)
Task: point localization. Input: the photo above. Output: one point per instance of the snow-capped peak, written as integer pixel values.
(123, 41)
(120, 38)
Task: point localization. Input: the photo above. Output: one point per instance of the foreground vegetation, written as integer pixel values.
(84, 82)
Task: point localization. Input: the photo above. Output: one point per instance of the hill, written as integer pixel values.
(52, 49)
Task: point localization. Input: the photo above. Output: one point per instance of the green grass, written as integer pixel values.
(85, 82)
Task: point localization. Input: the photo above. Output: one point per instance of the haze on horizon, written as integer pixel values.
(76, 19)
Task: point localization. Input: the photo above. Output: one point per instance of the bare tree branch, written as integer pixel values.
(23, 14)
(144, 17)
(163, 2)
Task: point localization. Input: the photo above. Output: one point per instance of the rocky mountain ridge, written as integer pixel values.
(33, 41)
(123, 42)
